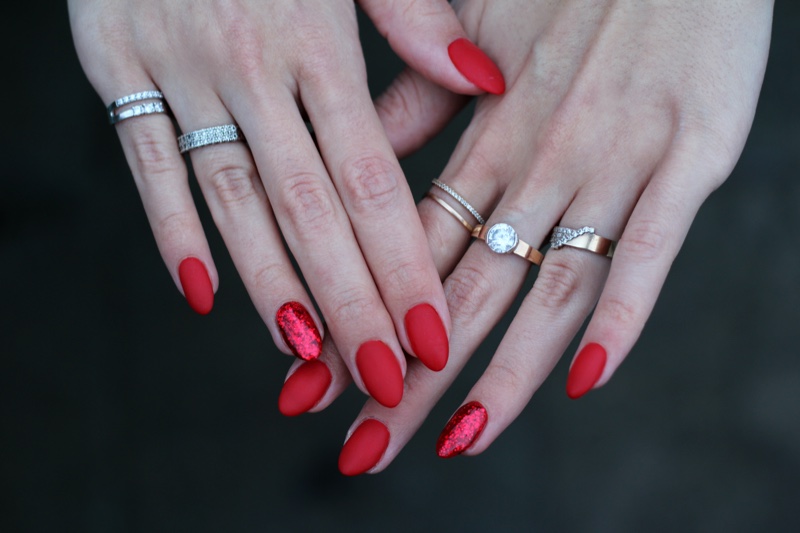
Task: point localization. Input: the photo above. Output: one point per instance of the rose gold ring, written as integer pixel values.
(503, 239)
(583, 239)
(451, 211)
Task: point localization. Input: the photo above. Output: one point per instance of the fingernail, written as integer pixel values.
(304, 389)
(462, 430)
(299, 331)
(364, 448)
(381, 372)
(427, 336)
(196, 285)
(586, 370)
(476, 66)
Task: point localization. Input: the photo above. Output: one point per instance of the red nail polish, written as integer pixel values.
(427, 336)
(364, 448)
(381, 373)
(304, 388)
(196, 285)
(476, 66)
(586, 370)
(299, 331)
(462, 430)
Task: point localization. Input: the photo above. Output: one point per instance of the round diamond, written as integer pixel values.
(501, 238)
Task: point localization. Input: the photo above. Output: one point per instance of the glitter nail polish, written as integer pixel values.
(299, 331)
(462, 430)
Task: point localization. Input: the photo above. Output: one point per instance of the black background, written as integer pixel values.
(122, 410)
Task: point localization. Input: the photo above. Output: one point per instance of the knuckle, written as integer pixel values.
(174, 228)
(400, 104)
(370, 184)
(403, 275)
(154, 158)
(558, 281)
(621, 312)
(266, 277)
(306, 202)
(505, 376)
(467, 289)
(643, 240)
(352, 306)
(235, 185)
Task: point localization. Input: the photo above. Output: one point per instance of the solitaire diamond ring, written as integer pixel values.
(503, 239)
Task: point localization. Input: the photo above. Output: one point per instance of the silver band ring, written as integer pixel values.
(460, 199)
(227, 133)
(584, 239)
(146, 109)
(503, 239)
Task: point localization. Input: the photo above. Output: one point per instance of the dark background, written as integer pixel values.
(122, 410)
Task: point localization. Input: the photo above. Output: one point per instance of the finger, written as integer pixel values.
(651, 241)
(382, 212)
(233, 191)
(429, 37)
(162, 180)
(413, 110)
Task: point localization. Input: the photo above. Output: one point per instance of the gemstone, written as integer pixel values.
(501, 238)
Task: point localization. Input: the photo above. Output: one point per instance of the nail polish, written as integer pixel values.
(464, 427)
(476, 66)
(364, 448)
(304, 388)
(586, 370)
(427, 336)
(381, 372)
(196, 285)
(299, 331)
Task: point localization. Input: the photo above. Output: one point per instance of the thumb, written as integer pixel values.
(413, 109)
(427, 35)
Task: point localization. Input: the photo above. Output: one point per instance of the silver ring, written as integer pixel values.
(584, 239)
(227, 133)
(114, 116)
(460, 199)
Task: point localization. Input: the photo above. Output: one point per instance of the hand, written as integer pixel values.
(343, 207)
(619, 116)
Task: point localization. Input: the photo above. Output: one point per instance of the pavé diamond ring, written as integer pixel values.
(148, 108)
(460, 199)
(503, 239)
(227, 133)
(584, 239)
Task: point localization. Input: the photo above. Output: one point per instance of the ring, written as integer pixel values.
(145, 109)
(503, 239)
(449, 190)
(584, 239)
(217, 134)
(451, 211)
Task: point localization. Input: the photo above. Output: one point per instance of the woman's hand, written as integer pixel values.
(342, 206)
(622, 116)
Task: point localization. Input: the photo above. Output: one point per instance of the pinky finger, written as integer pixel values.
(648, 246)
(161, 177)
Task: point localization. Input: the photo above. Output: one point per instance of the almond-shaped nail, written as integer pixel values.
(380, 372)
(586, 370)
(476, 66)
(196, 285)
(304, 388)
(299, 331)
(464, 427)
(364, 448)
(427, 336)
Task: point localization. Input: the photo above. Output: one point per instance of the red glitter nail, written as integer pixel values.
(299, 331)
(462, 430)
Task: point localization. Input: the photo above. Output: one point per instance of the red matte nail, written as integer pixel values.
(381, 372)
(304, 388)
(364, 448)
(586, 370)
(427, 336)
(196, 285)
(462, 430)
(299, 331)
(476, 66)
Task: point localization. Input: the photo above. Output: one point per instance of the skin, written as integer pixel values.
(267, 66)
(620, 115)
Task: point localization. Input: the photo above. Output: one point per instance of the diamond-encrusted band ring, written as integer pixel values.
(584, 239)
(451, 211)
(227, 133)
(115, 116)
(503, 239)
(460, 199)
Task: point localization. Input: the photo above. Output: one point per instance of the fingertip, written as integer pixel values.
(476, 66)
(586, 370)
(196, 284)
(304, 388)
